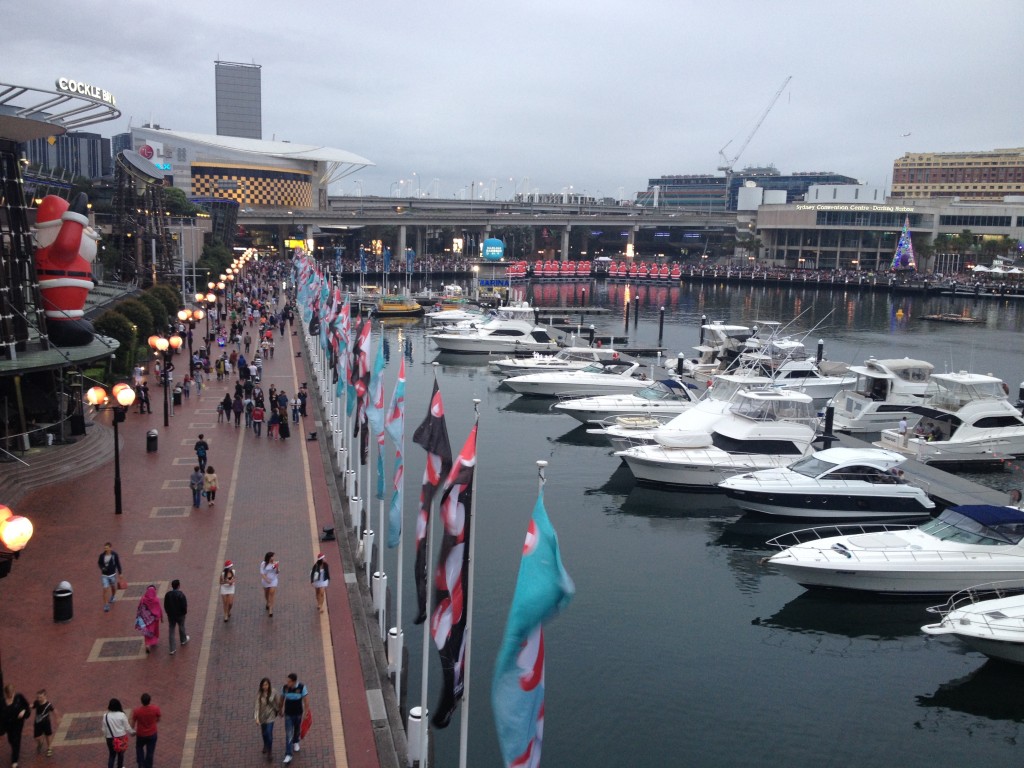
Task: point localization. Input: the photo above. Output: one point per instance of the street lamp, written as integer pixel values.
(166, 348)
(124, 396)
(190, 316)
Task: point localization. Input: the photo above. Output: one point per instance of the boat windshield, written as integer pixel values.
(775, 409)
(812, 466)
(992, 526)
(659, 390)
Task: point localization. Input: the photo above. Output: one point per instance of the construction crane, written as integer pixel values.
(728, 162)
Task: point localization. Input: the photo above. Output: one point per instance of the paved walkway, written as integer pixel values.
(273, 495)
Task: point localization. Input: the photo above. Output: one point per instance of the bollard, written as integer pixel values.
(416, 730)
(703, 322)
(821, 350)
(63, 605)
(355, 509)
(661, 324)
(152, 438)
(636, 311)
(394, 649)
(591, 329)
(366, 545)
(679, 363)
(379, 590)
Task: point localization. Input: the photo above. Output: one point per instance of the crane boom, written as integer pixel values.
(729, 162)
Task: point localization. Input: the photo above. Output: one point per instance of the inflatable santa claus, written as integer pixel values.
(64, 256)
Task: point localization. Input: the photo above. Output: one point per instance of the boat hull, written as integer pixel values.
(827, 506)
(912, 582)
(474, 345)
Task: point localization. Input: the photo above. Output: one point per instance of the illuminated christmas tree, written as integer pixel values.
(904, 256)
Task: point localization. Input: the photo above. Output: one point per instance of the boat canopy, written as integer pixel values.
(914, 371)
(978, 524)
(952, 391)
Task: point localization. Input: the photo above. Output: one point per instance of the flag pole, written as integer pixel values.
(425, 656)
(398, 590)
(464, 719)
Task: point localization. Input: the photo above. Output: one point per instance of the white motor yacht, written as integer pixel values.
(506, 331)
(967, 422)
(720, 344)
(565, 359)
(616, 376)
(800, 375)
(963, 546)
(836, 483)
(988, 618)
(667, 396)
(763, 428)
(882, 395)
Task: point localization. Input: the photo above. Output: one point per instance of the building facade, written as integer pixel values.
(79, 153)
(863, 236)
(721, 193)
(251, 172)
(239, 99)
(967, 175)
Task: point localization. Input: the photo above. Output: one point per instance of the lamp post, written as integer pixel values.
(190, 316)
(166, 348)
(124, 396)
(15, 532)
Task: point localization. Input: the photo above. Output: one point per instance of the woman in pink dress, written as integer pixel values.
(148, 617)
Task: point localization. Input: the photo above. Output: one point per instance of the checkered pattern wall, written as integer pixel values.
(253, 186)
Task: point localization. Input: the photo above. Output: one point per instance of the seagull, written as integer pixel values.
(905, 135)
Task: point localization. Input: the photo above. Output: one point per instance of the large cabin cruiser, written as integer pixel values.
(837, 483)
(505, 331)
(963, 546)
(616, 376)
(988, 618)
(966, 422)
(801, 375)
(882, 395)
(763, 428)
(720, 344)
(667, 396)
(565, 359)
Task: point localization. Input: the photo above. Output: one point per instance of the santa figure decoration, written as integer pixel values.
(66, 249)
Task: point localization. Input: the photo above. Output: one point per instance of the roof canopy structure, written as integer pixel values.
(337, 163)
(32, 113)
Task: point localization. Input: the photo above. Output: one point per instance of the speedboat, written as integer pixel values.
(882, 395)
(667, 396)
(565, 359)
(967, 422)
(505, 331)
(988, 618)
(963, 546)
(763, 428)
(831, 484)
(397, 306)
(465, 321)
(616, 376)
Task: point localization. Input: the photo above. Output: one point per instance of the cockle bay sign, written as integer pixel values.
(78, 88)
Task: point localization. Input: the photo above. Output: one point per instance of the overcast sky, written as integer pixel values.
(598, 95)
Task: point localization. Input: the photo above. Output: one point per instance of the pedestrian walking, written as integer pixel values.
(268, 709)
(110, 569)
(248, 342)
(148, 617)
(227, 588)
(144, 720)
(269, 572)
(116, 729)
(295, 409)
(273, 424)
(13, 714)
(224, 409)
(303, 396)
(236, 408)
(176, 607)
(903, 431)
(201, 448)
(43, 723)
(257, 419)
(284, 431)
(320, 577)
(195, 484)
(293, 708)
(210, 486)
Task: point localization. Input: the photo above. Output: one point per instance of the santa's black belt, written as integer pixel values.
(62, 273)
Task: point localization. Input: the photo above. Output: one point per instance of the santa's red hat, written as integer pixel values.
(49, 212)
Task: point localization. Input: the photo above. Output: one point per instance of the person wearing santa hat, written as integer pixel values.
(319, 577)
(66, 249)
(227, 588)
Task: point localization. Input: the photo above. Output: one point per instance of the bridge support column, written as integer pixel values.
(282, 235)
(564, 254)
(631, 241)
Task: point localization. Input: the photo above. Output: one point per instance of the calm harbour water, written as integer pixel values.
(680, 648)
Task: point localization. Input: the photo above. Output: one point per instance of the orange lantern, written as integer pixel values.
(15, 532)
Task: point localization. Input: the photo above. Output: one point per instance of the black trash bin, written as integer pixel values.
(63, 605)
(151, 441)
(177, 395)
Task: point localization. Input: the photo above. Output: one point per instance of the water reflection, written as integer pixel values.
(991, 691)
(849, 616)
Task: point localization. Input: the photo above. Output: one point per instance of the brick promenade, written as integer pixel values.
(273, 495)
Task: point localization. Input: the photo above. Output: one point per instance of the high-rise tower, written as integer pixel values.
(239, 100)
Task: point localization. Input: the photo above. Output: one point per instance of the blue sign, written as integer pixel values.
(494, 249)
(493, 283)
